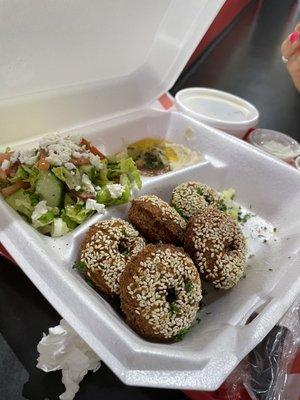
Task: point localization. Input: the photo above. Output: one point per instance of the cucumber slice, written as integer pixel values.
(49, 188)
(20, 201)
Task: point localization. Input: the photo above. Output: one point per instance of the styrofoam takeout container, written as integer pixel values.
(115, 89)
(218, 109)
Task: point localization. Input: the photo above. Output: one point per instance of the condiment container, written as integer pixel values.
(276, 143)
(218, 109)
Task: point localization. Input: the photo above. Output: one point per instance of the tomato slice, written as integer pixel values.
(3, 175)
(13, 188)
(80, 161)
(43, 164)
(5, 156)
(92, 149)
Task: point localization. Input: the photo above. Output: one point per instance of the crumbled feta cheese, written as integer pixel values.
(39, 210)
(95, 161)
(5, 165)
(14, 157)
(76, 154)
(91, 204)
(59, 149)
(77, 188)
(54, 159)
(70, 165)
(97, 188)
(83, 154)
(28, 157)
(87, 184)
(115, 189)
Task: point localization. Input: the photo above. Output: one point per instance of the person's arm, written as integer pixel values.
(290, 50)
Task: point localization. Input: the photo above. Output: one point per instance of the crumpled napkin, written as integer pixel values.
(64, 349)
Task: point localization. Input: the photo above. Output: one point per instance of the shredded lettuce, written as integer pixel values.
(71, 178)
(227, 204)
(70, 223)
(124, 166)
(228, 194)
(44, 220)
(26, 174)
(34, 198)
(88, 170)
(59, 227)
(77, 212)
(104, 196)
(101, 178)
(21, 202)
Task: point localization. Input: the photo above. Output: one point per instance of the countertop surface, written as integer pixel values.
(245, 61)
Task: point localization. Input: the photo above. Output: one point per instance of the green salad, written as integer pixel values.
(64, 181)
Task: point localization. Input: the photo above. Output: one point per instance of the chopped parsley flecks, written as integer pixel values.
(89, 282)
(181, 334)
(221, 205)
(243, 218)
(80, 266)
(188, 287)
(200, 191)
(174, 308)
(181, 213)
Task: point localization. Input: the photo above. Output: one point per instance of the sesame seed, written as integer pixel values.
(102, 255)
(191, 197)
(165, 268)
(221, 247)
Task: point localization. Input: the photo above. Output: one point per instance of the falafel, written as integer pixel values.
(216, 244)
(105, 251)
(189, 198)
(157, 220)
(160, 291)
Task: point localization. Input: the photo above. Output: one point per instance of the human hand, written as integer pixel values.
(290, 50)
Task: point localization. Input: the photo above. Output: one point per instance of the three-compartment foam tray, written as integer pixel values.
(210, 351)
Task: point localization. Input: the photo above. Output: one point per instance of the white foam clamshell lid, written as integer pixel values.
(49, 84)
(213, 347)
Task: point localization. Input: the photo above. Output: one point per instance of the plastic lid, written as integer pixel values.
(67, 63)
(276, 143)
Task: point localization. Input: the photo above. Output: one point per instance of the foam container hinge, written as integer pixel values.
(218, 343)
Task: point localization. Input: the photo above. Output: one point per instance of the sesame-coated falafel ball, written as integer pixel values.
(160, 291)
(217, 246)
(106, 249)
(157, 220)
(189, 198)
